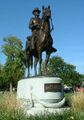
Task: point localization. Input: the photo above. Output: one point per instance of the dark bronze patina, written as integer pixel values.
(40, 40)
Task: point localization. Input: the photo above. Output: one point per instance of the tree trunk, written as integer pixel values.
(11, 87)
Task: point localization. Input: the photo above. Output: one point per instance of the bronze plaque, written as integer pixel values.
(52, 87)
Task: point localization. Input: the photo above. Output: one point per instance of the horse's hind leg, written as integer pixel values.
(46, 62)
(28, 72)
(40, 62)
(35, 65)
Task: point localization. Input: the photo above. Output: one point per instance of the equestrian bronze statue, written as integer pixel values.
(40, 40)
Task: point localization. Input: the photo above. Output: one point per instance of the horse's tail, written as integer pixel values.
(29, 61)
(29, 56)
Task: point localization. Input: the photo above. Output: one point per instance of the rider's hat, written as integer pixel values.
(36, 10)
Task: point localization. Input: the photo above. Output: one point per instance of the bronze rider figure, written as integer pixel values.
(34, 25)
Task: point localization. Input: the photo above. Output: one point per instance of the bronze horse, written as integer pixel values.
(43, 42)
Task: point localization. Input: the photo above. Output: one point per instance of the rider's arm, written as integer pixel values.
(31, 24)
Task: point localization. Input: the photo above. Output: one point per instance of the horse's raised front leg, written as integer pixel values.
(46, 62)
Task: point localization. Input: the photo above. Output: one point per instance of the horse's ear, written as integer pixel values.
(42, 7)
(48, 6)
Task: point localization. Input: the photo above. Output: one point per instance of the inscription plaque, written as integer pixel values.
(52, 87)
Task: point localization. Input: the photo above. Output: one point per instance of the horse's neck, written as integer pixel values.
(46, 25)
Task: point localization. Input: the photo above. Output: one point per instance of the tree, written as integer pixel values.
(59, 68)
(1, 76)
(14, 68)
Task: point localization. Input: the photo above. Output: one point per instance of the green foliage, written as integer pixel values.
(1, 76)
(59, 68)
(13, 69)
(12, 47)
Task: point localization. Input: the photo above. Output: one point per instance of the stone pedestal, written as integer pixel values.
(41, 92)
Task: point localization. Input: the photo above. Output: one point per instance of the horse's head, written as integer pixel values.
(46, 12)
